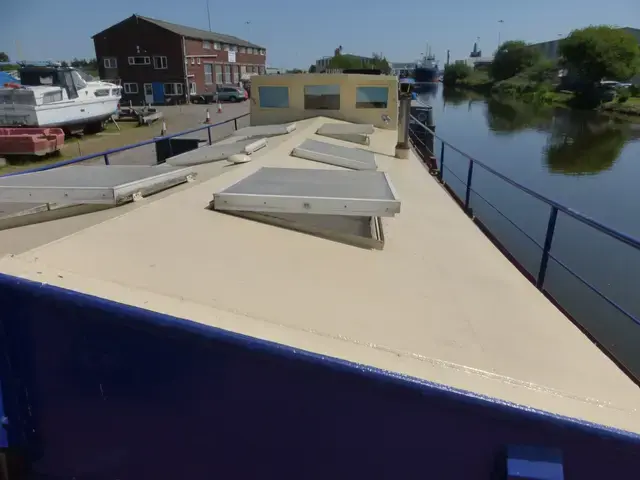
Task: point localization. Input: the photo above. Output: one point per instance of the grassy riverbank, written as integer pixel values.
(523, 89)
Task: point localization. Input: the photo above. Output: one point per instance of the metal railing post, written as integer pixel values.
(467, 196)
(106, 159)
(235, 124)
(209, 134)
(441, 172)
(551, 228)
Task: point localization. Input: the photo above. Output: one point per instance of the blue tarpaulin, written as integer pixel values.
(6, 78)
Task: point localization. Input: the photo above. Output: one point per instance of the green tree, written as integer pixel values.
(512, 58)
(543, 72)
(455, 72)
(600, 52)
(380, 62)
(4, 57)
(312, 68)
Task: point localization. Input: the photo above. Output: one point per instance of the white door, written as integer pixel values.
(148, 93)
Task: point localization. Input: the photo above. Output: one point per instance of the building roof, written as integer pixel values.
(198, 33)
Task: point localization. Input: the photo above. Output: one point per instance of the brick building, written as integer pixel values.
(159, 62)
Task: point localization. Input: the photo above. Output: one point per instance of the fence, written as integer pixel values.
(619, 340)
(154, 141)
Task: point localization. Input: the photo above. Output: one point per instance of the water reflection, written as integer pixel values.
(579, 142)
(583, 144)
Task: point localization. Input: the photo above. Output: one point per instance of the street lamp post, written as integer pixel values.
(501, 22)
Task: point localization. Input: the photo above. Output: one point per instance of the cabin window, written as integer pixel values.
(372, 97)
(206, 45)
(274, 97)
(173, 89)
(110, 62)
(322, 97)
(160, 63)
(103, 92)
(208, 73)
(139, 61)
(77, 80)
(131, 88)
(51, 97)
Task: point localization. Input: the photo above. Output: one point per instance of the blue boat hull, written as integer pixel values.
(93, 389)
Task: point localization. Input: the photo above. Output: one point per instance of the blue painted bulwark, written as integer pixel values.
(533, 463)
(99, 390)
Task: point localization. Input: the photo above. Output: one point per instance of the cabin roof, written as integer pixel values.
(438, 302)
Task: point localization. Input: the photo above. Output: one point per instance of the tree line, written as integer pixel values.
(589, 56)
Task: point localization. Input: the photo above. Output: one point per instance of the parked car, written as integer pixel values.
(231, 93)
(223, 93)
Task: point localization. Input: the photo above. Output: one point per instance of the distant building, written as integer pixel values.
(398, 68)
(160, 62)
(550, 49)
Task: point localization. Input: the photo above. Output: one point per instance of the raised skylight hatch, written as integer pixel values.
(100, 184)
(216, 152)
(349, 132)
(311, 191)
(353, 158)
(341, 205)
(265, 130)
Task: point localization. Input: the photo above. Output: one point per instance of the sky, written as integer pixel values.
(296, 33)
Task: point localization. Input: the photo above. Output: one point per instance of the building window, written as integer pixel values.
(110, 62)
(242, 50)
(218, 74)
(250, 50)
(261, 70)
(173, 89)
(208, 73)
(322, 97)
(225, 47)
(198, 61)
(139, 61)
(372, 97)
(216, 45)
(263, 52)
(131, 88)
(206, 45)
(160, 63)
(274, 97)
(233, 48)
(193, 60)
(227, 74)
(243, 70)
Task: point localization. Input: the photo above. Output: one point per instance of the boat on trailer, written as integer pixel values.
(51, 95)
(301, 300)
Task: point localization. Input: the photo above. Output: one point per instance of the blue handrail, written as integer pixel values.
(551, 225)
(106, 153)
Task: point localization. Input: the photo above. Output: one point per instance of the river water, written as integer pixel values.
(583, 160)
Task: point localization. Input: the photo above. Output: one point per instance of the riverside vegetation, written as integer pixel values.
(587, 57)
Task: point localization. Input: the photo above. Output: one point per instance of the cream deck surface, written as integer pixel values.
(440, 302)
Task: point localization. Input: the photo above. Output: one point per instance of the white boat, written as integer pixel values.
(50, 95)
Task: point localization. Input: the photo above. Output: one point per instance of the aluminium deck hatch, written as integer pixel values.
(265, 130)
(348, 157)
(311, 191)
(99, 184)
(349, 132)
